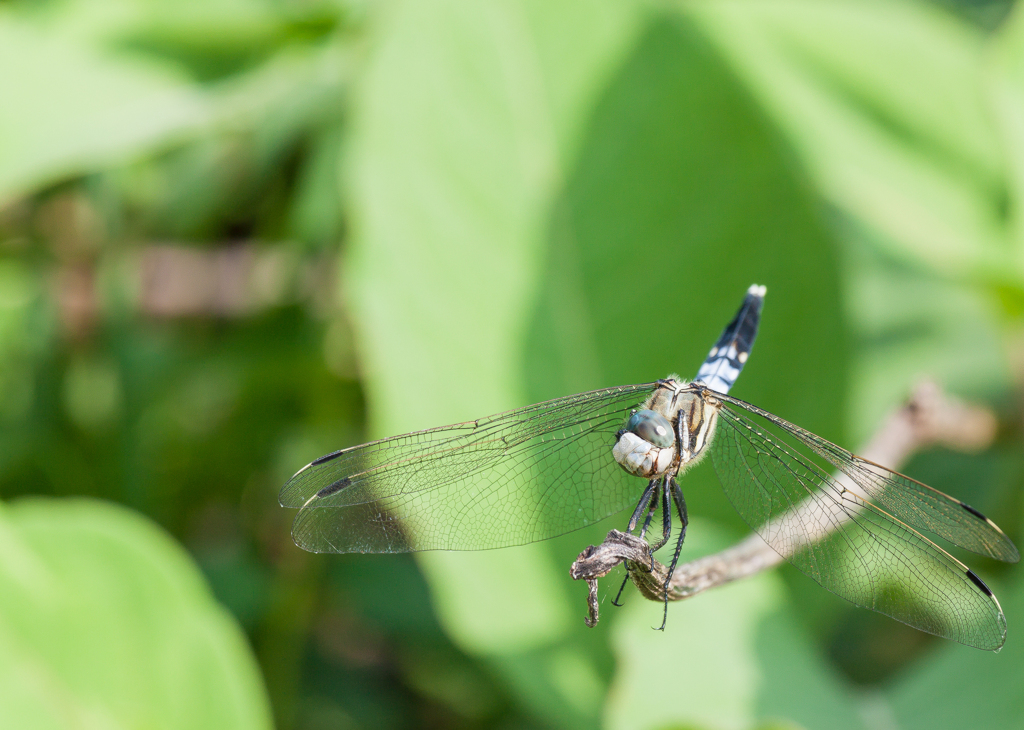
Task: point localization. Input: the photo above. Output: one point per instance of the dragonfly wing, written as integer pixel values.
(509, 479)
(847, 544)
(910, 501)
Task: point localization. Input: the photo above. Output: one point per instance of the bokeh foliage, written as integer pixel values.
(238, 234)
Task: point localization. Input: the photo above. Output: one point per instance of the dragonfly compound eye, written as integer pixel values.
(652, 427)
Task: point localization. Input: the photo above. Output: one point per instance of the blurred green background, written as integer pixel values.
(238, 234)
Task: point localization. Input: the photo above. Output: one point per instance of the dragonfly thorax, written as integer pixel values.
(687, 411)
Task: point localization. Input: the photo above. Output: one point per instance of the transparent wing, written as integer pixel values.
(910, 501)
(847, 544)
(517, 477)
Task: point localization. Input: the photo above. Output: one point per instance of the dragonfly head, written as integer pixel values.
(652, 427)
(676, 411)
(646, 446)
(640, 457)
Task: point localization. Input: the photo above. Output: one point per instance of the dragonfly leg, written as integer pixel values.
(677, 497)
(643, 504)
(615, 601)
(645, 499)
(660, 487)
(650, 513)
(666, 518)
(680, 502)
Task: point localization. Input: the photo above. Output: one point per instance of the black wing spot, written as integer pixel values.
(979, 582)
(332, 488)
(325, 459)
(974, 512)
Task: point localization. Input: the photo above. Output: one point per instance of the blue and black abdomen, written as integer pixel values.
(727, 357)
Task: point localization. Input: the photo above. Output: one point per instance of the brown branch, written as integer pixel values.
(230, 280)
(929, 418)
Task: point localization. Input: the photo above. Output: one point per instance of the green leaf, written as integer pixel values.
(67, 108)
(469, 160)
(682, 197)
(909, 325)
(960, 687)
(731, 657)
(473, 590)
(74, 105)
(465, 119)
(454, 152)
(885, 103)
(1006, 87)
(106, 623)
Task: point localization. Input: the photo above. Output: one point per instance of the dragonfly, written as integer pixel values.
(533, 473)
